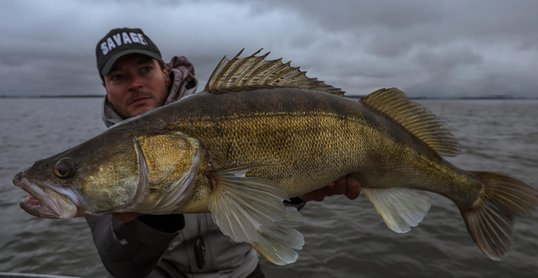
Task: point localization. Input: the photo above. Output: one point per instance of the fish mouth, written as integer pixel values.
(43, 201)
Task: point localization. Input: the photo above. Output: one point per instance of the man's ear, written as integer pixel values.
(166, 73)
(102, 80)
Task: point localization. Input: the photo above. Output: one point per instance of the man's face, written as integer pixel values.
(136, 84)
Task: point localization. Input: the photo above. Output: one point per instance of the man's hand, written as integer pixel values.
(125, 217)
(166, 223)
(348, 185)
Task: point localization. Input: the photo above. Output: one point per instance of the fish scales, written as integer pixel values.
(263, 132)
(303, 135)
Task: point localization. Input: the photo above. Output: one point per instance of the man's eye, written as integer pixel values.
(146, 69)
(115, 77)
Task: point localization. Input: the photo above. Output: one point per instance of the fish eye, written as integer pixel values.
(65, 168)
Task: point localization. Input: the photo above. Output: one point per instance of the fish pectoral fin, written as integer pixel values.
(251, 210)
(400, 208)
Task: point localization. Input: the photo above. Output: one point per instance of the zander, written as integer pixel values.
(262, 132)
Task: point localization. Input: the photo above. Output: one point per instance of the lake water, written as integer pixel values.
(343, 238)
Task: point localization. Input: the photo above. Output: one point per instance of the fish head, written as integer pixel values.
(117, 171)
(97, 176)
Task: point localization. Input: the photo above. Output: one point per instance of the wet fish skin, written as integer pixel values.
(238, 151)
(306, 139)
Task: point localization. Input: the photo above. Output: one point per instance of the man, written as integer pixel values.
(136, 80)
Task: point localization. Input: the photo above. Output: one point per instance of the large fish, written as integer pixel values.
(262, 132)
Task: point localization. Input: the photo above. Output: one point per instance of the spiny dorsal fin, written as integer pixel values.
(415, 118)
(255, 72)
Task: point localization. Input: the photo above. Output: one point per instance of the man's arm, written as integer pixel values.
(133, 248)
(347, 185)
(130, 245)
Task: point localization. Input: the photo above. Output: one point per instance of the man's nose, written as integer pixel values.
(135, 82)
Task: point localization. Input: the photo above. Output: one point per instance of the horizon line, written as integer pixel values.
(349, 96)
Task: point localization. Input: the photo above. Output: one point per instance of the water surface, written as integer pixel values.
(343, 238)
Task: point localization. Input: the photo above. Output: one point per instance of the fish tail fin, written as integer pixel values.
(490, 219)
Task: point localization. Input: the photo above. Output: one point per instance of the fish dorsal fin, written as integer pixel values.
(415, 118)
(256, 72)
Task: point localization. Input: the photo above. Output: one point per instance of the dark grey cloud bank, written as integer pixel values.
(457, 48)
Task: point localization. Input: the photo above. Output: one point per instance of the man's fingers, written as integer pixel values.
(125, 217)
(316, 195)
(353, 188)
(347, 185)
(339, 187)
(341, 182)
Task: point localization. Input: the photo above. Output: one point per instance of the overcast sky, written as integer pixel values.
(427, 48)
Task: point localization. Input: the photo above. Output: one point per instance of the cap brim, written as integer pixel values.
(110, 63)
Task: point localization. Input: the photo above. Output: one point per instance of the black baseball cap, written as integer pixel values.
(120, 42)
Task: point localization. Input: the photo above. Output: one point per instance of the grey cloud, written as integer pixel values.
(343, 16)
(428, 48)
(489, 85)
(446, 60)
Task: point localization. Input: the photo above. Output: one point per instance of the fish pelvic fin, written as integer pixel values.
(400, 208)
(256, 72)
(490, 219)
(413, 117)
(277, 243)
(251, 210)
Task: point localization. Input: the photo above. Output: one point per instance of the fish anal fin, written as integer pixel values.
(256, 72)
(415, 118)
(251, 210)
(400, 208)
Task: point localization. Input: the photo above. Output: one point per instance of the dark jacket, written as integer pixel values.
(189, 245)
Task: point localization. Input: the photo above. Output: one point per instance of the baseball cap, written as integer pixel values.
(120, 42)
